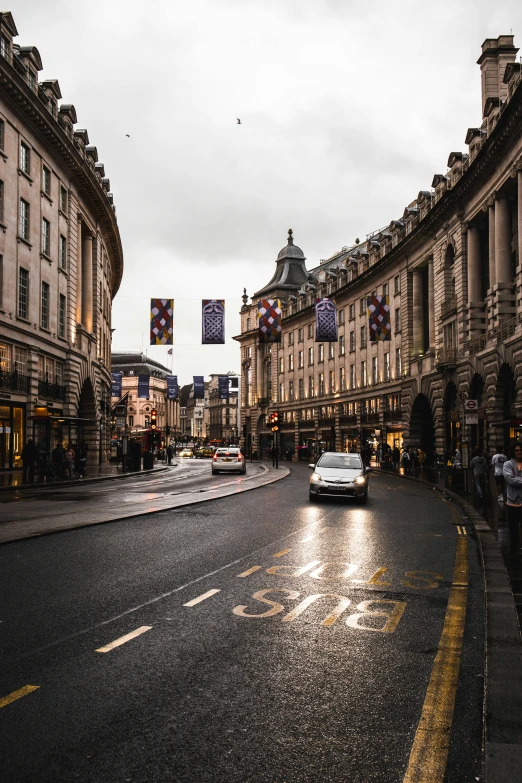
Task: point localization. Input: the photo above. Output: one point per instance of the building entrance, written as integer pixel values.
(12, 436)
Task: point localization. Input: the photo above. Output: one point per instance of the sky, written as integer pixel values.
(347, 109)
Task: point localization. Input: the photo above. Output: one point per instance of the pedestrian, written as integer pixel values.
(170, 454)
(69, 461)
(406, 461)
(80, 461)
(498, 459)
(479, 467)
(58, 460)
(512, 470)
(29, 457)
(396, 459)
(456, 458)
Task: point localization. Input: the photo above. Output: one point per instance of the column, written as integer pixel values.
(418, 314)
(519, 223)
(492, 265)
(87, 281)
(503, 241)
(474, 266)
(431, 304)
(79, 251)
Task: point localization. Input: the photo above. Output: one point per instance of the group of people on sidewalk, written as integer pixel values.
(66, 462)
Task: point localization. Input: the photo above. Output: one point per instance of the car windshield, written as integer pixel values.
(228, 451)
(346, 461)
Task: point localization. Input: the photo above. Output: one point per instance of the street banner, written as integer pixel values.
(199, 387)
(143, 386)
(213, 321)
(269, 316)
(223, 387)
(172, 387)
(161, 321)
(325, 320)
(116, 384)
(379, 318)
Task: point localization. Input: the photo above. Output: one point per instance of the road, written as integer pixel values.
(251, 638)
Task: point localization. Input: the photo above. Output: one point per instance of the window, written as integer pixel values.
(291, 391)
(301, 388)
(362, 306)
(63, 252)
(375, 378)
(281, 364)
(352, 341)
(385, 289)
(386, 366)
(63, 207)
(131, 421)
(281, 392)
(62, 309)
(5, 357)
(24, 219)
(397, 285)
(352, 376)
(310, 356)
(397, 319)
(320, 352)
(248, 352)
(342, 379)
(321, 383)
(291, 338)
(364, 378)
(23, 293)
(20, 359)
(331, 347)
(340, 317)
(398, 365)
(342, 347)
(310, 330)
(4, 47)
(331, 382)
(1, 201)
(58, 373)
(24, 158)
(311, 386)
(44, 318)
(31, 79)
(300, 335)
(2, 134)
(46, 237)
(363, 336)
(49, 369)
(290, 361)
(46, 181)
(1, 280)
(351, 312)
(300, 359)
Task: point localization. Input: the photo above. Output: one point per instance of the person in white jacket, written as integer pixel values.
(513, 476)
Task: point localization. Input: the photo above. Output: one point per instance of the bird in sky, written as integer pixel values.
(238, 121)
(128, 135)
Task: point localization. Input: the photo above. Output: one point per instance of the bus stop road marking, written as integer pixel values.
(201, 598)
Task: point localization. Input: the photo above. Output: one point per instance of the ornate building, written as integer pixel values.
(223, 413)
(61, 264)
(451, 267)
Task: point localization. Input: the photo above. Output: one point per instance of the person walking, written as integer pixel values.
(396, 459)
(81, 459)
(69, 461)
(479, 467)
(512, 470)
(58, 460)
(170, 454)
(29, 457)
(498, 459)
(406, 461)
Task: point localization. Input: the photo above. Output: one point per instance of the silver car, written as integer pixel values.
(230, 460)
(337, 474)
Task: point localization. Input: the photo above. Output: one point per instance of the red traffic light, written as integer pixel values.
(153, 419)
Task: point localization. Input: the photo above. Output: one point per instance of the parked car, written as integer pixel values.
(337, 474)
(186, 453)
(230, 460)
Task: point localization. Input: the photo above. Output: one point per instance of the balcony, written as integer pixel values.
(51, 391)
(14, 381)
(448, 307)
(370, 418)
(349, 419)
(392, 415)
(446, 358)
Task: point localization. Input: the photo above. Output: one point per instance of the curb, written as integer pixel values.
(502, 722)
(75, 482)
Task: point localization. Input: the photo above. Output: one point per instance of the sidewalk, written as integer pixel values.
(109, 470)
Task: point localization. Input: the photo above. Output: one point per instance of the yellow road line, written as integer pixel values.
(429, 753)
(202, 597)
(250, 571)
(124, 639)
(281, 553)
(17, 694)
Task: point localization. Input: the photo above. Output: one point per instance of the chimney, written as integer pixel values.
(496, 54)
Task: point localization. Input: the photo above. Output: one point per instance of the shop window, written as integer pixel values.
(20, 359)
(5, 357)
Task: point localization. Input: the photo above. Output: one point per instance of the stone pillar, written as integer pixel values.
(519, 222)
(474, 266)
(418, 314)
(79, 259)
(492, 265)
(503, 241)
(87, 294)
(431, 304)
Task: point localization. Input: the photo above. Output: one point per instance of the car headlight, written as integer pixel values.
(315, 477)
(360, 480)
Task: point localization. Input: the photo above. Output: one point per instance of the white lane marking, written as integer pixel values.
(201, 598)
(124, 639)
(313, 535)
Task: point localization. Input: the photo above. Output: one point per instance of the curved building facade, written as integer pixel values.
(61, 264)
(451, 267)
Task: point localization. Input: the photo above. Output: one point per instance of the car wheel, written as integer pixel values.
(364, 498)
(313, 498)
(214, 472)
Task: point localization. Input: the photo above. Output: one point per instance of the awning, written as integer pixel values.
(508, 423)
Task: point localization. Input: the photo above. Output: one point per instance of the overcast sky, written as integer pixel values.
(347, 110)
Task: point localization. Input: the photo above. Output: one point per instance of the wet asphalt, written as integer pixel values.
(248, 684)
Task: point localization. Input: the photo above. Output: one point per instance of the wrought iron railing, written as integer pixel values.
(448, 307)
(393, 414)
(446, 357)
(14, 381)
(52, 391)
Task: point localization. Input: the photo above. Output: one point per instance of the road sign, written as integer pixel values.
(120, 421)
(463, 396)
(471, 406)
(471, 418)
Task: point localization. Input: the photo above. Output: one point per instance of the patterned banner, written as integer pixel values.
(172, 387)
(379, 318)
(325, 320)
(116, 384)
(223, 387)
(143, 386)
(269, 315)
(161, 321)
(213, 321)
(199, 387)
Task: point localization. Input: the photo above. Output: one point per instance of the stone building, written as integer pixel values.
(223, 413)
(196, 416)
(131, 366)
(61, 264)
(451, 267)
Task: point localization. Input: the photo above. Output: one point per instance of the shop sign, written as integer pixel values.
(472, 418)
(5, 396)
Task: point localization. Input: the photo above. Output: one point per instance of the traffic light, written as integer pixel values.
(274, 421)
(153, 419)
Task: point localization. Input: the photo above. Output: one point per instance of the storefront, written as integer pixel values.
(49, 428)
(393, 436)
(12, 433)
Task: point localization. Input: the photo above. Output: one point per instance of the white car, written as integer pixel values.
(337, 474)
(230, 460)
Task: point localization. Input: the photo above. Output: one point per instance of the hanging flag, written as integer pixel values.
(379, 318)
(161, 321)
(223, 387)
(116, 384)
(213, 321)
(143, 386)
(269, 316)
(199, 387)
(325, 320)
(172, 387)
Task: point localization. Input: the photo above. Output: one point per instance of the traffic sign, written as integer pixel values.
(463, 396)
(471, 406)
